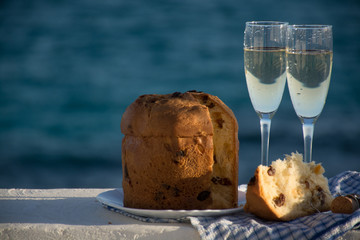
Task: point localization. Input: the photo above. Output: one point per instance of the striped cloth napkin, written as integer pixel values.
(326, 225)
(242, 225)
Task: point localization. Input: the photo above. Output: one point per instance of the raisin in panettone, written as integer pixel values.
(288, 189)
(180, 151)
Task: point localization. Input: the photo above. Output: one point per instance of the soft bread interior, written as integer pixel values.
(288, 189)
(225, 169)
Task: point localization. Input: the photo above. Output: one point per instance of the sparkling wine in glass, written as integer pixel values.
(265, 71)
(309, 55)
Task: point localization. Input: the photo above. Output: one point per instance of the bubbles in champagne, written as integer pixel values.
(265, 64)
(308, 75)
(265, 77)
(309, 67)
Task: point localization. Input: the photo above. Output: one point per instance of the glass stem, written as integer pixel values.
(265, 123)
(308, 132)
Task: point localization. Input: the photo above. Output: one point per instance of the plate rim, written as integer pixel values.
(116, 202)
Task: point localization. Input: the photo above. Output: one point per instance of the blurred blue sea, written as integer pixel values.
(68, 70)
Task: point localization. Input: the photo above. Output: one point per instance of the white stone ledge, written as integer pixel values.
(74, 214)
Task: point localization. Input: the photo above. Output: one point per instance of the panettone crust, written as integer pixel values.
(180, 151)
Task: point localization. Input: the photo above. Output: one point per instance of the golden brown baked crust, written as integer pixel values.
(176, 115)
(288, 189)
(180, 151)
(257, 204)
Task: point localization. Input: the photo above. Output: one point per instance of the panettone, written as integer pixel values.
(180, 151)
(288, 189)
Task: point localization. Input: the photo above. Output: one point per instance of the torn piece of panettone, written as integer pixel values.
(288, 189)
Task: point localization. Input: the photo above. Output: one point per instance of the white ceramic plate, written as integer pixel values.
(114, 199)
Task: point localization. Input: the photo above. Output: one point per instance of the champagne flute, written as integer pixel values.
(265, 71)
(309, 55)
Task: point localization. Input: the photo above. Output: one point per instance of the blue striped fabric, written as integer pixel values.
(242, 225)
(326, 225)
(147, 219)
